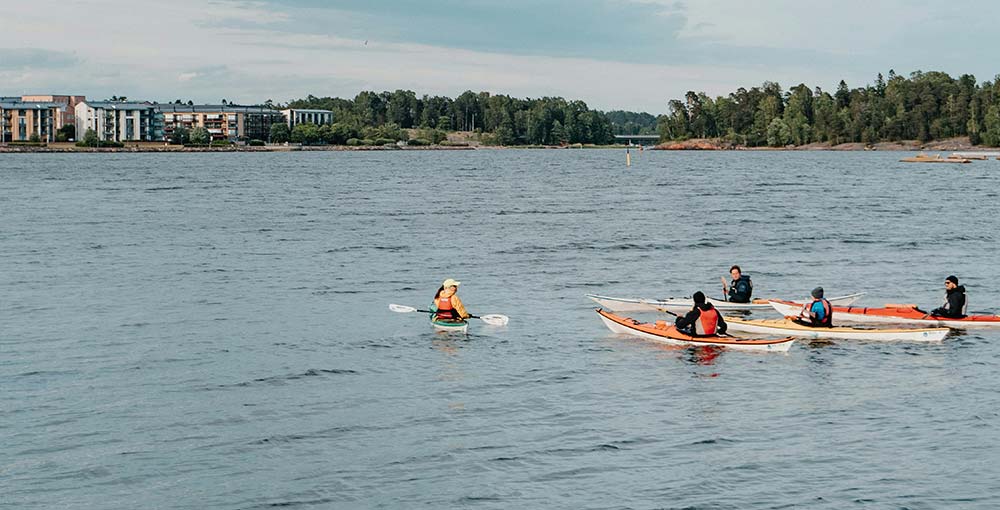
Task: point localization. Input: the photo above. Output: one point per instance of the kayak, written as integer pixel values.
(894, 314)
(662, 332)
(682, 305)
(786, 327)
(450, 326)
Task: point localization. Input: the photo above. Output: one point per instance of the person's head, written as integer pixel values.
(817, 293)
(735, 272)
(951, 282)
(699, 298)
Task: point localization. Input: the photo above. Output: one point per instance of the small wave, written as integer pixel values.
(165, 188)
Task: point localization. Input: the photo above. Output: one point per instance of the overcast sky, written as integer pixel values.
(614, 54)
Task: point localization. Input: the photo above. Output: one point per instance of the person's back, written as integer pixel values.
(820, 311)
(702, 320)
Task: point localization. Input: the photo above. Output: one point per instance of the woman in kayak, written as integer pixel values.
(447, 306)
(954, 300)
(740, 290)
(702, 320)
(820, 311)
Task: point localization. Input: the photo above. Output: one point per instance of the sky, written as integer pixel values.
(613, 54)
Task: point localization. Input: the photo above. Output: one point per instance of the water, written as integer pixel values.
(211, 331)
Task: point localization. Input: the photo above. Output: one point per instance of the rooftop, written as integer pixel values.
(211, 108)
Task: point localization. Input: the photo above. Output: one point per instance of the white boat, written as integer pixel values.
(785, 327)
(661, 332)
(682, 305)
(893, 314)
(450, 326)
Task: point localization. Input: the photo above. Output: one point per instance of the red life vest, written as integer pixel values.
(707, 322)
(444, 308)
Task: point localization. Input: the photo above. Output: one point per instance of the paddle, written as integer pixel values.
(493, 319)
(725, 289)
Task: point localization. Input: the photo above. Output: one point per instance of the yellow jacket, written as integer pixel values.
(456, 304)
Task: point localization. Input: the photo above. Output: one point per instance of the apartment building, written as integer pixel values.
(223, 122)
(118, 121)
(295, 116)
(20, 120)
(69, 105)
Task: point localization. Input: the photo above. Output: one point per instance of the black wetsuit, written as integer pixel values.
(740, 291)
(954, 304)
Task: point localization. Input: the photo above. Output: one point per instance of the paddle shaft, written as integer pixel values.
(432, 311)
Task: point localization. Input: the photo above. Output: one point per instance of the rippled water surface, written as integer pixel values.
(211, 331)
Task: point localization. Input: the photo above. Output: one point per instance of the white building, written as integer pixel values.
(294, 117)
(116, 121)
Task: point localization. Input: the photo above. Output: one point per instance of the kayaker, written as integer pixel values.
(740, 290)
(820, 311)
(702, 320)
(447, 306)
(955, 304)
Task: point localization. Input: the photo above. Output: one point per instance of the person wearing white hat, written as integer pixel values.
(447, 306)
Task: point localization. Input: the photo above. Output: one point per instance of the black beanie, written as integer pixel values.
(699, 298)
(818, 293)
(952, 279)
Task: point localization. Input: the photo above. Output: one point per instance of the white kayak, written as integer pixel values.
(785, 327)
(682, 305)
(450, 326)
(893, 314)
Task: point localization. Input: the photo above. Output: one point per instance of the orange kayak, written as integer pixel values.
(660, 331)
(894, 314)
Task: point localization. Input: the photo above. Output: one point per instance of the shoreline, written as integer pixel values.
(952, 144)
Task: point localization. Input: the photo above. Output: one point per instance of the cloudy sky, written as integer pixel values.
(614, 54)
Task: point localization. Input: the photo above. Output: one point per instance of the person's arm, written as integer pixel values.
(459, 307)
(721, 327)
(688, 319)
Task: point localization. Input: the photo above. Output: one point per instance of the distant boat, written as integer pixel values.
(923, 158)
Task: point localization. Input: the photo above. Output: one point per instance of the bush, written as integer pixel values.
(104, 143)
(384, 141)
(221, 143)
(21, 143)
(256, 143)
(367, 141)
(447, 143)
(419, 142)
(353, 142)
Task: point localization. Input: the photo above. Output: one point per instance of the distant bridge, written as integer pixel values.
(638, 139)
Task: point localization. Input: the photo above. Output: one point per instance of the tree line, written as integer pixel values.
(926, 106)
(502, 119)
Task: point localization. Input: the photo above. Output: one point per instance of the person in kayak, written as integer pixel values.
(447, 306)
(702, 320)
(820, 311)
(954, 305)
(740, 290)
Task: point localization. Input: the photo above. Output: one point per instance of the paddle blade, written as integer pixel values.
(401, 308)
(495, 319)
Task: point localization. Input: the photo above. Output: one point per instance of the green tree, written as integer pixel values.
(991, 125)
(180, 136)
(200, 136)
(279, 133)
(66, 133)
(306, 133)
(90, 138)
(778, 133)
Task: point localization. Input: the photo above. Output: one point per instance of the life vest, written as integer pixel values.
(444, 308)
(707, 322)
(827, 320)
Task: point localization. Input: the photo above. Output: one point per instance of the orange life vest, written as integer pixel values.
(707, 322)
(444, 309)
